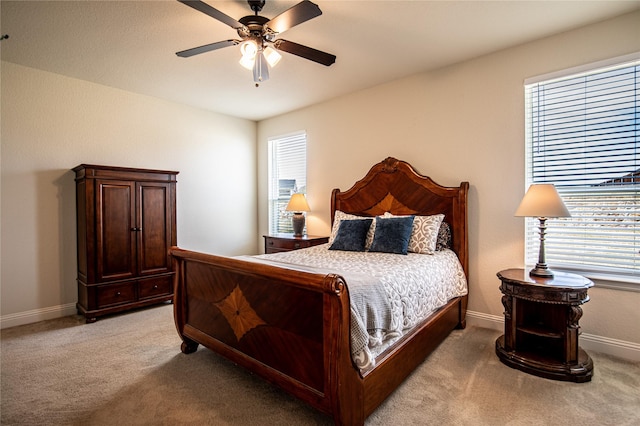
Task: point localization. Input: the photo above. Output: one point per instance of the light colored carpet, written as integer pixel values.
(128, 370)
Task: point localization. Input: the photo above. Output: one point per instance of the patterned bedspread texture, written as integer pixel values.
(389, 293)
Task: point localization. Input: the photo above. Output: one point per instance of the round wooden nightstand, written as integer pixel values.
(541, 325)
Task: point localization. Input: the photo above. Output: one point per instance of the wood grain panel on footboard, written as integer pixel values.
(285, 327)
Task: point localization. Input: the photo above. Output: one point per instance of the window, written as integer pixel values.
(583, 136)
(287, 175)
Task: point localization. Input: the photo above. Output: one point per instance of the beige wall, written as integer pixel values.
(460, 123)
(464, 122)
(51, 123)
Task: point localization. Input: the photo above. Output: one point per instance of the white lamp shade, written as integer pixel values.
(248, 49)
(248, 62)
(542, 200)
(272, 56)
(298, 203)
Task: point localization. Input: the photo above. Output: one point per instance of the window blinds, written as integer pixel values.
(287, 175)
(583, 136)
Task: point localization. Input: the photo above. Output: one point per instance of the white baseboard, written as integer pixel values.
(35, 315)
(479, 319)
(615, 347)
(589, 342)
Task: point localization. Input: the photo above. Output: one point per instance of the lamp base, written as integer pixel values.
(541, 270)
(298, 224)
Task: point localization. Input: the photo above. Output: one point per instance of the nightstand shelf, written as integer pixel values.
(541, 325)
(541, 332)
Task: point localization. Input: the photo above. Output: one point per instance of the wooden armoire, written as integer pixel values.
(126, 223)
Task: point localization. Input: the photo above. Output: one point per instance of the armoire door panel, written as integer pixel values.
(154, 217)
(116, 238)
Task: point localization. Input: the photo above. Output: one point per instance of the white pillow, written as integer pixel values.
(424, 234)
(340, 215)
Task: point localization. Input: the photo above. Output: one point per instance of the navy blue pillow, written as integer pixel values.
(392, 234)
(352, 235)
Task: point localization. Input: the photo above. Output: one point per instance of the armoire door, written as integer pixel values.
(154, 222)
(115, 230)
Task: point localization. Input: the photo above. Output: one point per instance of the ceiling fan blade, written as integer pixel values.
(213, 12)
(297, 14)
(305, 52)
(206, 48)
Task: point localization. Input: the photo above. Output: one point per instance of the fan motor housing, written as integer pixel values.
(254, 24)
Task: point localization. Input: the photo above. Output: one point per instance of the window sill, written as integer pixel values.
(604, 280)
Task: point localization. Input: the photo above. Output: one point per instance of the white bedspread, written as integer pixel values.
(389, 293)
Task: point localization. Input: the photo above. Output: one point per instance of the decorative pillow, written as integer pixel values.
(352, 235)
(339, 216)
(444, 237)
(392, 234)
(424, 235)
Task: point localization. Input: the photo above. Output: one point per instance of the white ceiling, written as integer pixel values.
(131, 45)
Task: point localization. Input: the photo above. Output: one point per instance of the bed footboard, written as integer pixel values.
(290, 327)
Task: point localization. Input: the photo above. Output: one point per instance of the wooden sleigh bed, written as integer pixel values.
(292, 327)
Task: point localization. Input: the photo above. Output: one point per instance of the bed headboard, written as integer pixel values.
(394, 186)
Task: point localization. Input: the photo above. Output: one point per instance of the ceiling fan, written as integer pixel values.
(258, 43)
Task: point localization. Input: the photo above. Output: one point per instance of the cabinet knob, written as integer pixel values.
(117, 293)
(297, 245)
(136, 229)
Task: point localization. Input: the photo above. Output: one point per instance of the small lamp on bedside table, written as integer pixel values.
(542, 201)
(297, 205)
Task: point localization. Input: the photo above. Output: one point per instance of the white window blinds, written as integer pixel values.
(583, 136)
(287, 175)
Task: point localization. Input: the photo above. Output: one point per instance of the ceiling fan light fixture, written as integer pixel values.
(272, 56)
(248, 49)
(247, 62)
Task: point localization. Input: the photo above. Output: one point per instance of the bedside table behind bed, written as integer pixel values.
(287, 242)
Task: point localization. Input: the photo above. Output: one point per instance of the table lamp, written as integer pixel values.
(297, 205)
(542, 201)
